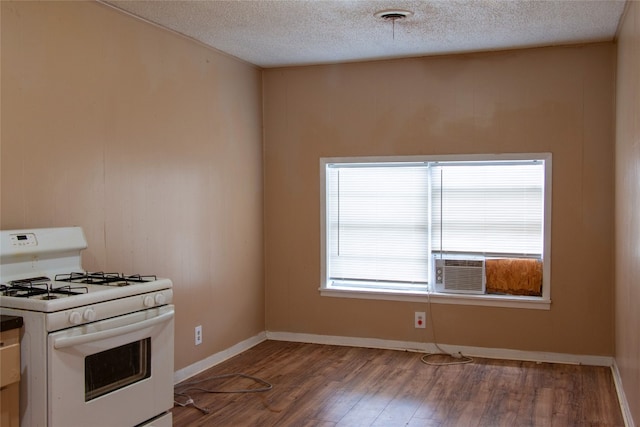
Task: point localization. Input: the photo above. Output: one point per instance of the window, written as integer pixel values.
(116, 368)
(386, 221)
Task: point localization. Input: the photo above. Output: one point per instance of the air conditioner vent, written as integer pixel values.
(460, 275)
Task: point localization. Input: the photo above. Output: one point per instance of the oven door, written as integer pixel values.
(114, 372)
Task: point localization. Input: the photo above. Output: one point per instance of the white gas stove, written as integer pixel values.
(97, 348)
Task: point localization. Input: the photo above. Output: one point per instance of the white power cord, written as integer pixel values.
(459, 358)
(189, 402)
(191, 386)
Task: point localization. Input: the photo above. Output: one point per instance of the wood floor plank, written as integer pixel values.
(406, 401)
(376, 387)
(334, 386)
(441, 396)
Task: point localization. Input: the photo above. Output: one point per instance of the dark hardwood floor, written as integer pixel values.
(322, 385)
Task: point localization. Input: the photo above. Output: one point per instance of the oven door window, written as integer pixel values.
(117, 367)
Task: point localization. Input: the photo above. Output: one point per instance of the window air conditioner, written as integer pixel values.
(460, 275)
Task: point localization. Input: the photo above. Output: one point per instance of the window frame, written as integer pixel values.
(345, 291)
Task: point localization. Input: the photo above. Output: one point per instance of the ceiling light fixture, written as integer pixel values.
(393, 15)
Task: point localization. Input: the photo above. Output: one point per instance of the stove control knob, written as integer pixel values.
(148, 301)
(75, 318)
(89, 315)
(159, 299)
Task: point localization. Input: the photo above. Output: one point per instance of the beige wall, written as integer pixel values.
(627, 219)
(165, 141)
(151, 143)
(558, 100)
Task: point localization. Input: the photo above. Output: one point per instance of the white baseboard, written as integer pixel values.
(622, 398)
(214, 359)
(491, 353)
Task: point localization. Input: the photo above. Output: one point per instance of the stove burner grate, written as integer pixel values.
(39, 287)
(101, 278)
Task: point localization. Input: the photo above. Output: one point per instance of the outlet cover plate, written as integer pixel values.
(420, 320)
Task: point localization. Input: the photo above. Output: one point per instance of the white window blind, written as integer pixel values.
(488, 208)
(378, 223)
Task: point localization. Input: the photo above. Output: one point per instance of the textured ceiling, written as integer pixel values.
(271, 33)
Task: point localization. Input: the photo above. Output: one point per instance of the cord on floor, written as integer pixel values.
(191, 386)
(458, 359)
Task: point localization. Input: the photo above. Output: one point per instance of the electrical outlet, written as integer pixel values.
(420, 320)
(198, 334)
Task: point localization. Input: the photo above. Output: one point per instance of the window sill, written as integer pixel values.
(524, 302)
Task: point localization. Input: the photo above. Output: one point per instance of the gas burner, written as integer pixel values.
(6, 291)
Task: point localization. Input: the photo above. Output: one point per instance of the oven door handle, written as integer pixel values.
(62, 342)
